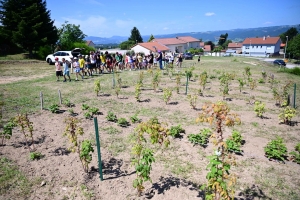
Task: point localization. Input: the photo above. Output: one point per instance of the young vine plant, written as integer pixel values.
(143, 156)
(220, 182)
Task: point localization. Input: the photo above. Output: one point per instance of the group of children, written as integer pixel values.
(96, 62)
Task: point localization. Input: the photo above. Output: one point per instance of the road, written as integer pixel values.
(270, 60)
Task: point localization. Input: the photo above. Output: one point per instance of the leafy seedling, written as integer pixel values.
(135, 119)
(296, 154)
(54, 108)
(85, 107)
(201, 138)
(35, 155)
(276, 149)
(123, 122)
(111, 117)
(176, 130)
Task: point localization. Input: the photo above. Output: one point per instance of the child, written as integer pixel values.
(66, 69)
(77, 68)
(58, 69)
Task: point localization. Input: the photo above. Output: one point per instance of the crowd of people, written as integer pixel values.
(99, 63)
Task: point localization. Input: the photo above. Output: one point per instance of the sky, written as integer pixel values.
(117, 17)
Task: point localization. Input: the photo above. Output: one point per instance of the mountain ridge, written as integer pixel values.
(235, 35)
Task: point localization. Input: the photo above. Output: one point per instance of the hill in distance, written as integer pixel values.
(235, 35)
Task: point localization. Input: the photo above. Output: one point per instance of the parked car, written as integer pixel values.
(279, 62)
(67, 55)
(188, 56)
(227, 55)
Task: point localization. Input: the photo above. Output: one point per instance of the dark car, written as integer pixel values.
(279, 62)
(188, 56)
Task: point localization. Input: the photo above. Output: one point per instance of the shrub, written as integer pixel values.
(295, 70)
(123, 122)
(200, 138)
(35, 155)
(296, 154)
(234, 142)
(176, 130)
(135, 119)
(287, 114)
(54, 108)
(111, 117)
(276, 149)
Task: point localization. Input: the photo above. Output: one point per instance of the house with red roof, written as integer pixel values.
(179, 44)
(207, 49)
(263, 46)
(146, 47)
(236, 46)
(90, 43)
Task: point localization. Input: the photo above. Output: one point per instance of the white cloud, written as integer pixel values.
(95, 2)
(208, 14)
(123, 23)
(165, 28)
(91, 26)
(268, 23)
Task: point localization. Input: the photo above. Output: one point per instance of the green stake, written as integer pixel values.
(295, 95)
(98, 148)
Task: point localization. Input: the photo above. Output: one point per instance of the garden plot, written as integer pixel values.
(257, 94)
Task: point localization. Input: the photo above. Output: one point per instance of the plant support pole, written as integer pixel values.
(98, 148)
(294, 100)
(186, 85)
(59, 95)
(42, 100)
(114, 82)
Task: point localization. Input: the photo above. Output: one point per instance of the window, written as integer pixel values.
(260, 46)
(247, 47)
(268, 47)
(257, 47)
(57, 54)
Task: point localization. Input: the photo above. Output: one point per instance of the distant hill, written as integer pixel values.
(234, 34)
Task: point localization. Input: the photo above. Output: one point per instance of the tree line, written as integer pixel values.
(25, 25)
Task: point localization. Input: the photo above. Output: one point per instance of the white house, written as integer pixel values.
(263, 46)
(179, 44)
(146, 47)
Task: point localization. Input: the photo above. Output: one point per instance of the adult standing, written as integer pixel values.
(98, 62)
(180, 59)
(150, 62)
(160, 59)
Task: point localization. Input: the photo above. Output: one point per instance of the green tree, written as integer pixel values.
(27, 23)
(151, 38)
(135, 36)
(218, 49)
(210, 43)
(291, 33)
(294, 47)
(126, 45)
(225, 45)
(69, 34)
(222, 39)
